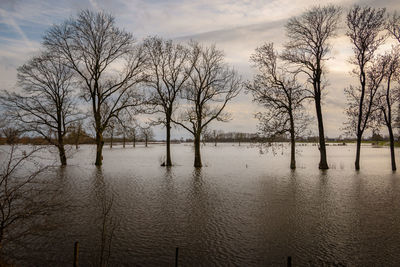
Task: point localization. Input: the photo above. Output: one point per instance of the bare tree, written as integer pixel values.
(167, 76)
(76, 132)
(11, 135)
(393, 26)
(132, 132)
(387, 98)
(211, 85)
(279, 92)
(308, 48)
(47, 103)
(147, 134)
(365, 26)
(110, 131)
(95, 49)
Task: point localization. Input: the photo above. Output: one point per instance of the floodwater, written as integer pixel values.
(243, 208)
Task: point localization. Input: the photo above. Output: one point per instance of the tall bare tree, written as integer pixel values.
(46, 105)
(365, 26)
(211, 85)
(167, 76)
(107, 62)
(387, 99)
(279, 92)
(308, 48)
(393, 26)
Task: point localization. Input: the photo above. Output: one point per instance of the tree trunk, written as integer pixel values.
(112, 136)
(292, 145)
(123, 141)
(197, 155)
(61, 150)
(392, 155)
(99, 149)
(134, 141)
(323, 164)
(145, 139)
(357, 162)
(168, 160)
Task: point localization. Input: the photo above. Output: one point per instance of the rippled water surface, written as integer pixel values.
(242, 208)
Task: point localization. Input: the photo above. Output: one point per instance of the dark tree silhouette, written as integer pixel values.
(146, 134)
(308, 48)
(132, 132)
(46, 105)
(167, 64)
(278, 91)
(211, 85)
(365, 26)
(77, 132)
(387, 98)
(11, 135)
(94, 47)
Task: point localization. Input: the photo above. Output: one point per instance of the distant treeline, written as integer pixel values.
(221, 137)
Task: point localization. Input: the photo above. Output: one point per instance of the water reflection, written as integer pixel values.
(104, 220)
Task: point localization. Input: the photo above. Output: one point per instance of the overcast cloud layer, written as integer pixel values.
(237, 27)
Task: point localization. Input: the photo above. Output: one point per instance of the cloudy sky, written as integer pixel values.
(237, 27)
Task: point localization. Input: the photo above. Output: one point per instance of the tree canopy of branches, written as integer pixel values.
(308, 48)
(393, 26)
(278, 91)
(365, 26)
(107, 63)
(47, 103)
(210, 86)
(167, 66)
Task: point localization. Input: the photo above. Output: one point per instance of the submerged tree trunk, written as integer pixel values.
(77, 140)
(358, 151)
(123, 140)
(112, 136)
(197, 155)
(168, 161)
(392, 155)
(99, 148)
(61, 150)
(323, 164)
(292, 144)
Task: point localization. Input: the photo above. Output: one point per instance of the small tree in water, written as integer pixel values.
(387, 99)
(278, 91)
(167, 63)
(211, 85)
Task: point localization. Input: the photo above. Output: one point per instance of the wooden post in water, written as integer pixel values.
(289, 261)
(76, 253)
(176, 257)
